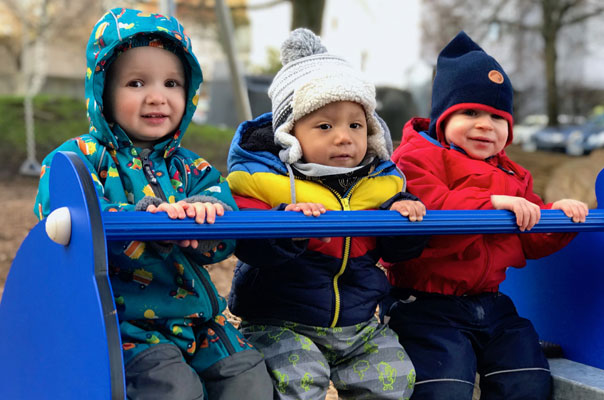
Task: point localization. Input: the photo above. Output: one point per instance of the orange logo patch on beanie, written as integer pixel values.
(496, 76)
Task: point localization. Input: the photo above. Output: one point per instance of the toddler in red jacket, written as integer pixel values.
(449, 313)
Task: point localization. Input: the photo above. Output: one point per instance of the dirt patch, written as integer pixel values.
(17, 197)
(576, 179)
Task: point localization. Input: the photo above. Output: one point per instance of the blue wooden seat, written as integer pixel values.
(59, 336)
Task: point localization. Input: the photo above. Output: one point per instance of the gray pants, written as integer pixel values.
(161, 372)
(364, 361)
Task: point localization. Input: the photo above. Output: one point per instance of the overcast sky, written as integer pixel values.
(379, 36)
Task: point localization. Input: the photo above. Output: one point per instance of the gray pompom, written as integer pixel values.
(301, 43)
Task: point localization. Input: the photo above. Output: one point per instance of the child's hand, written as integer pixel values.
(575, 209)
(202, 212)
(412, 209)
(314, 209)
(527, 213)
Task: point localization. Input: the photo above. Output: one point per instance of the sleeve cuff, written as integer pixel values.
(207, 199)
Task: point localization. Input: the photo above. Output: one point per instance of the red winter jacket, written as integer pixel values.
(447, 179)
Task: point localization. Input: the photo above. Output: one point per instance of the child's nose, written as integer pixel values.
(484, 122)
(343, 135)
(155, 97)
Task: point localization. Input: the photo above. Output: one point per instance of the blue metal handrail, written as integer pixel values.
(278, 224)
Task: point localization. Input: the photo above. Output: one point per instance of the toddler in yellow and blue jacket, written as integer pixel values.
(309, 305)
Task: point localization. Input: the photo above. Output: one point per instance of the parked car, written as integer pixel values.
(531, 124)
(524, 131)
(574, 140)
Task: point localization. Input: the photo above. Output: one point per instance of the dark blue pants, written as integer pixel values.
(450, 338)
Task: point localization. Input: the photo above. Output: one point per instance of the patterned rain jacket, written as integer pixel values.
(447, 179)
(151, 282)
(308, 281)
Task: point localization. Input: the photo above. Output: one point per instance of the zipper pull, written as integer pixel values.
(345, 204)
(147, 166)
(149, 173)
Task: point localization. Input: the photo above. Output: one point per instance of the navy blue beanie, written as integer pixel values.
(467, 77)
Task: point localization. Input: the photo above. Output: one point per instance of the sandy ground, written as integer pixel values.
(16, 218)
(17, 198)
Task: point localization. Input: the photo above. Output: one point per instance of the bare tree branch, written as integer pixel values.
(583, 17)
(545, 17)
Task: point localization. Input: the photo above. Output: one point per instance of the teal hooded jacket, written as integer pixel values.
(149, 280)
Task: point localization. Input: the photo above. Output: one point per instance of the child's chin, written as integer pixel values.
(479, 156)
(344, 163)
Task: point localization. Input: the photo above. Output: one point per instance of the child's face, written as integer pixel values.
(334, 135)
(479, 133)
(146, 94)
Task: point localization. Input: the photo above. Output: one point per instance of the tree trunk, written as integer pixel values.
(308, 14)
(549, 32)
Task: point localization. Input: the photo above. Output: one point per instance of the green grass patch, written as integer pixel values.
(60, 118)
(56, 120)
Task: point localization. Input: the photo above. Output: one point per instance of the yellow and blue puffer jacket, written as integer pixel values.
(150, 282)
(309, 281)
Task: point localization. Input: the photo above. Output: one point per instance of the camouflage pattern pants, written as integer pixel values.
(364, 361)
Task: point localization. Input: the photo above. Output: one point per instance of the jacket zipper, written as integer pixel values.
(221, 333)
(208, 289)
(346, 252)
(150, 176)
(487, 271)
(345, 205)
(155, 186)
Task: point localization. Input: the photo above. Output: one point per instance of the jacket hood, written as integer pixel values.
(118, 26)
(253, 150)
(254, 141)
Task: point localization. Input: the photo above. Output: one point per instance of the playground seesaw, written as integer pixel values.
(59, 335)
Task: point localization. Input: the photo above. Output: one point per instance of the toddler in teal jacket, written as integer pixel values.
(141, 85)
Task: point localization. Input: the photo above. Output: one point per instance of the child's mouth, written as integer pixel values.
(155, 118)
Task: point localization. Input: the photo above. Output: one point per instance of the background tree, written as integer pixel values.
(305, 13)
(308, 14)
(523, 20)
(39, 21)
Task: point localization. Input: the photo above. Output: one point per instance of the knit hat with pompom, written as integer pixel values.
(312, 78)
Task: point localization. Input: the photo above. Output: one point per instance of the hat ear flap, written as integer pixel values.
(291, 149)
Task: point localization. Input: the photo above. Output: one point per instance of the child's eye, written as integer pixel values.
(470, 112)
(135, 83)
(324, 127)
(172, 83)
(356, 125)
(495, 116)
